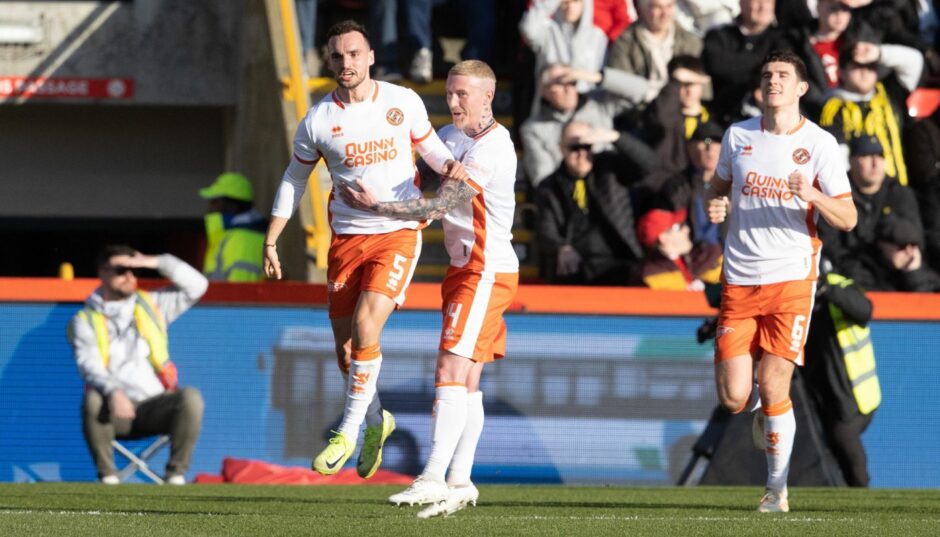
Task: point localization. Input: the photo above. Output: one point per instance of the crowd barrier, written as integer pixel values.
(600, 385)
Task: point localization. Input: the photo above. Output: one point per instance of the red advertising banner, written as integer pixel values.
(66, 88)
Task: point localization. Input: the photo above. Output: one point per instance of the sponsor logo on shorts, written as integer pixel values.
(395, 116)
(722, 330)
(801, 156)
(333, 287)
(449, 334)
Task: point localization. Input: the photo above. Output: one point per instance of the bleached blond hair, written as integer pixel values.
(475, 69)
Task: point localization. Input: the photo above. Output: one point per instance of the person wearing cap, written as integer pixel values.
(234, 231)
(901, 242)
(672, 261)
(666, 189)
(877, 198)
(864, 106)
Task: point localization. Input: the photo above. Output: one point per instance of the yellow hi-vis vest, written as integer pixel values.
(150, 324)
(233, 255)
(859, 354)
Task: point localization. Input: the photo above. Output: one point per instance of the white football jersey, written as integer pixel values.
(772, 233)
(372, 141)
(478, 234)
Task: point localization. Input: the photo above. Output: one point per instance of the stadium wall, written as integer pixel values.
(616, 372)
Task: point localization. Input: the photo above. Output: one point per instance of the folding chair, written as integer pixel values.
(138, 461)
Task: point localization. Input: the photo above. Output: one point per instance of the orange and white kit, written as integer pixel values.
(473, 307)
(382, 263)
(773, 318)
(772, 233)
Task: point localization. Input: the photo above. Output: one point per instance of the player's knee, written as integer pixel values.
(733, 400)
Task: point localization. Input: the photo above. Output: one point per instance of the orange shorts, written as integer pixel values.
(473, 312)
(381, 263)
(773, 318)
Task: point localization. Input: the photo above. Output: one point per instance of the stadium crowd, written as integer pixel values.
(620, 132)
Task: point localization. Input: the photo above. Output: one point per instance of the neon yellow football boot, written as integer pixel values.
(370, 456)
(332, 459)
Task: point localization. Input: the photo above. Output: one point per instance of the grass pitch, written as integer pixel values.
(76, 509)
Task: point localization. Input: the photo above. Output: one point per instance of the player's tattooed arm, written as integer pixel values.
(450, 194)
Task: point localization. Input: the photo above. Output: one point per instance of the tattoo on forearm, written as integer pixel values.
(451, 194)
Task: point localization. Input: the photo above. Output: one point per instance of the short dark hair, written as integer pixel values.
(345, 27)
(111, 250)
(787, 56)
(687, 61)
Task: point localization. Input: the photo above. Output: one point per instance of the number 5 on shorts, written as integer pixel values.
(796, 337)
(394, 277)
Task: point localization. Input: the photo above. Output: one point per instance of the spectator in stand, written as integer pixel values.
(307, 21)
(863, 106)
(685, 190)
(563, 31)
(819, 48)
(478, 16)
(901, 243)
(383, 22)
(672, 261)
(879, 201)
(611, 16)
(646, 47)
(585, 227)
(922, 154)
(541, 133)
(676, 112)
(700, 16)
(733, 54)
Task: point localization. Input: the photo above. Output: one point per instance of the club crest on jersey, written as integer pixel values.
(801, 156)
(394, 116)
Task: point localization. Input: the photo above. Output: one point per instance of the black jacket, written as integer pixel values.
(604, 234)
(825, 371)
(733, 60)
(855, 254)
(922, 155)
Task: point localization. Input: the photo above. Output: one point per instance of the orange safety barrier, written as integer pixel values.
(427, 296)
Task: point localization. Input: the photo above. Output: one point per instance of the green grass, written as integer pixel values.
(75, 509)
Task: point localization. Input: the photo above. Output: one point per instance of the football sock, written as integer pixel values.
(450, 415)
(374, 413)
(462, 463)
(360, 388)
(779, 431)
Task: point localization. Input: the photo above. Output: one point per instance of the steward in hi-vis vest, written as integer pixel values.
(840, 371)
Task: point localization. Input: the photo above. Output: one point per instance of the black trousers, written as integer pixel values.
(844, 439)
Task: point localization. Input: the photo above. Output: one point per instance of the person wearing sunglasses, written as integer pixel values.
(120, 343)
(585, 223)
